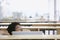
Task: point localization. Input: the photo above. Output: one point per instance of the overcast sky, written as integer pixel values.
(28, 7)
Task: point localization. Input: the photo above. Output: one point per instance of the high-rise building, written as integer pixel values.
(1, 16)
(36, 15)
(17, 15)
(59, 18)
(52, 9)
(1, 12)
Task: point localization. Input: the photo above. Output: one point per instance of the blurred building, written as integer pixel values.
(1, 16)
(17, 15)
(59, 18)
(42, 18)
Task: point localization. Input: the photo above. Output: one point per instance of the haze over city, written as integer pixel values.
(29, 7)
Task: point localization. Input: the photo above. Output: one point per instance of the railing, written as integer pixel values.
(35, 25)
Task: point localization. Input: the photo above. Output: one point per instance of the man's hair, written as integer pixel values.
(11, 27)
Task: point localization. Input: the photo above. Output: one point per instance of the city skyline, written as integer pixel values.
(28, 7)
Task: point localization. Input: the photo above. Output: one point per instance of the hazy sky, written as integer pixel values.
(28, 7)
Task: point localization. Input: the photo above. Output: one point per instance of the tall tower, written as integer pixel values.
(1, 15)
(52, 9)
(55, 17)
